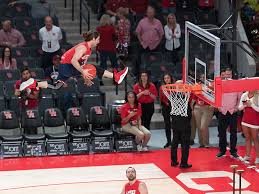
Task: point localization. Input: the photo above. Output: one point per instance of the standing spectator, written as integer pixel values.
(39, 8)
(10, 37)
(113, 5)
(50, 35)
(29, 97)
(149, 31)
(203, 114)
(51, 73)
(181, 135)
(168, 6)
(249, 102)
(123, 32)
(166, 108)
(172, 36)
(6, 60)
(131, 121)
(107, 45)
(227, 116)
(146, 94)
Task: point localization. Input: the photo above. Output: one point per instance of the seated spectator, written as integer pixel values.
(168, 6)
(51, 73)
(123, 32)
(6, 60)
(138, 6)
(10, 37)
(131, 121)
(149, 31)
(206, 4)
(39, 8)
(112, 6)
(50, 35)
(107, 45)
(29, 97)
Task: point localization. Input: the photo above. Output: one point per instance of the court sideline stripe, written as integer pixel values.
(87, 182)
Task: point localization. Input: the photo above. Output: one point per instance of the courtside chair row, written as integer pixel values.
(54, 135)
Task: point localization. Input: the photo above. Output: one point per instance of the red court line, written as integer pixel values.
(73, 183)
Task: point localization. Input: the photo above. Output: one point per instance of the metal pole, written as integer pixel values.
(73, 9)
(234, 177)
(88, 19)
(80, 17)
(65, 3)
(234, 34)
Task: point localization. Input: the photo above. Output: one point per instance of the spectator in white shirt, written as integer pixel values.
(50, 35)
(172, 36)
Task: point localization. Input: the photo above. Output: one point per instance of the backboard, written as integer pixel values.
(202, 60)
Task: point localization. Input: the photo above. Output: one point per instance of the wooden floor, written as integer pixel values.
(94, 180)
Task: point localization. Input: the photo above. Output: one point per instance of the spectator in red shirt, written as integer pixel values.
(166, 108)
(107, 45)
(138, 6)
(206, 4)
(123, 32)
(146, 93)
(29, 97)
(113, 5)
(6, 60)
(131, 121)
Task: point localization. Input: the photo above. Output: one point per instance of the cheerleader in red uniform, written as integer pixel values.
(249, 102)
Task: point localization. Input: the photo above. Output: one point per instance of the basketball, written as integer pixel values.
(91, 69)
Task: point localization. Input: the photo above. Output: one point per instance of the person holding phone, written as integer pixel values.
(131, 121)
(249, 103)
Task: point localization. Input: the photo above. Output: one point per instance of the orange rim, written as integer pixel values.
(196, 89)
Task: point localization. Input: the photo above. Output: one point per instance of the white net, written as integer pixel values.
(179, 102)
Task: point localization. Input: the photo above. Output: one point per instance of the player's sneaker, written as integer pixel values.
(58, 84)
(30, 83)
(119, 76)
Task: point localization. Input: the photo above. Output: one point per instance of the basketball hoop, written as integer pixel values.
(179, 94)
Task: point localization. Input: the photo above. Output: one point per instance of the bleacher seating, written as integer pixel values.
(90, 96)
(56, 133)
(78, 129)
(100, 126)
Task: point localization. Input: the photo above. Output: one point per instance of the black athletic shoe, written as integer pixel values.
(174, 163)
(167, 145)
(234, 155)
(221, 154)
(185, 165)
(57, 85)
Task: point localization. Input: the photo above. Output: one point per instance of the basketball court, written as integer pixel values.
(105, 173)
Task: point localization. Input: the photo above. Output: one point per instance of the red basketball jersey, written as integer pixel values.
(67, 56)
(132, 189)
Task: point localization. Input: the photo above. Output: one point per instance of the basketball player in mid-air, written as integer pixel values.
(134, 186)
(72, 63)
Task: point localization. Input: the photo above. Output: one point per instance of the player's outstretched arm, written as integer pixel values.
(143, 188)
